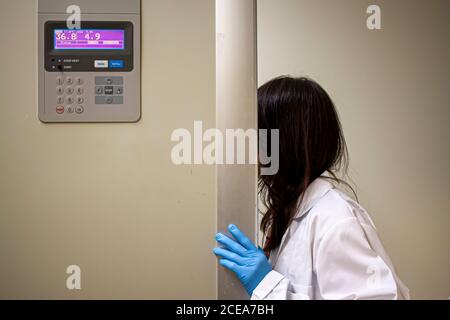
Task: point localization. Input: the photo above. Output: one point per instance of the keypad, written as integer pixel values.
(108, 90)
(69, 95)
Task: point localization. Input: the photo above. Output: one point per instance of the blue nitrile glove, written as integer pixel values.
(248, 262)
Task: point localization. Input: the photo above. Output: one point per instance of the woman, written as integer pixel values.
(321, 243)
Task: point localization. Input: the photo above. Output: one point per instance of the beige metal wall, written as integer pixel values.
(392, 91)
(106, 196)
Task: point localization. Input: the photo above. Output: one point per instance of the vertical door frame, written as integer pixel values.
(236, 107)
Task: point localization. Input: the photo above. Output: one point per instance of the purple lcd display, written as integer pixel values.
(89, 39)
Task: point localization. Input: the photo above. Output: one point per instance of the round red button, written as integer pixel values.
(59, 109)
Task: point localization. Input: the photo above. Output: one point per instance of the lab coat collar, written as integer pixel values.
(315, 191)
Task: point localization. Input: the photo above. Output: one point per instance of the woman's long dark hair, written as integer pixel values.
(311, 143)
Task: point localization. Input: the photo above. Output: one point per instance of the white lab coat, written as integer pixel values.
(330, 251)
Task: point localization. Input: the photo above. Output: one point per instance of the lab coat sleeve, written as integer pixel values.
(347, 267)
(275, 286)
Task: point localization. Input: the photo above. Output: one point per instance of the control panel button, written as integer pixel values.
(119, 90)
(99, 90)
(59, 109)
(118, 100)
(79, 109)
(70, 109)
(59, 81)
(109, 100)
(79, 81)
(80, 100)
(69, 81)
(102, 81)
(69, 90)
(116, 64)
(69, 100)
(60, 100)
(80, 90)
(59, 90)
(109, 90)
(101, 63)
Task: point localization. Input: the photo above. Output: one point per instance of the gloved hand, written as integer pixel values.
(248, 262)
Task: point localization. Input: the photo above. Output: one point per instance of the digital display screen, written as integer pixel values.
(89, 39)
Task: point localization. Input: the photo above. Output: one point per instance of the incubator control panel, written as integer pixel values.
(89, 74)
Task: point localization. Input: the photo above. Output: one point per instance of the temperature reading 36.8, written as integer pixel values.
(74, 36)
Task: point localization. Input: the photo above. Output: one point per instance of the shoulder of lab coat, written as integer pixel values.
(343, 257)
(347, 267)
(347, 250)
